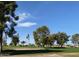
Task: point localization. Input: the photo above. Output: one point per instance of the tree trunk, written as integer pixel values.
(2, 19)
(61, 46)
(1, 40)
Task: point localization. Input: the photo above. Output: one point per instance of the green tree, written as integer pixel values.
(7, 14)
(75, 39)
(23, 42)
(28, 37)
(51, 39)
(11, 44)
(15, 40)
(62, 38)
(37, 43)
(40, 35)
(47, 41)
(4, 42)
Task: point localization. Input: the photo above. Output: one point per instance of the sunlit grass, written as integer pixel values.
(68, 49)
(38, 51)
(65, 49)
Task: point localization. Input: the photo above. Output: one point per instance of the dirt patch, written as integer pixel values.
(54, 55)
(28, 48)
(39, 55)
(70, 54)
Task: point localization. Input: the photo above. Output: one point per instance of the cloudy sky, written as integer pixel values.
(58, 16)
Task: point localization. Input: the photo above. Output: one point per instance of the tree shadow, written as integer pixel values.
(60, 47)
(56, 48)
(19, 52)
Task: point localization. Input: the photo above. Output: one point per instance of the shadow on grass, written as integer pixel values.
(19, 52)
(56, 48)
(59, 47)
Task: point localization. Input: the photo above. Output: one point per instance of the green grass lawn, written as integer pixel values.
(54, 50)
(64, 49)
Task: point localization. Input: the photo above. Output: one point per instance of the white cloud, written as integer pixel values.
(26, 24)
(23, 16)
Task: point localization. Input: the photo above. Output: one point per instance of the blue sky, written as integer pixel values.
(58, 16)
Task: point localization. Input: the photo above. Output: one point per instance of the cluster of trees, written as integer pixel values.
(43, 38)
(42, 35)
(75, 39)
(15, 40)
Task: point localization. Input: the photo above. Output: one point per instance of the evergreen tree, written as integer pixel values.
(7, 15)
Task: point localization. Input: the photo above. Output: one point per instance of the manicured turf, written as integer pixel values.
(54, 49)
(38, 51)
(64, 49)
(25, 50)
